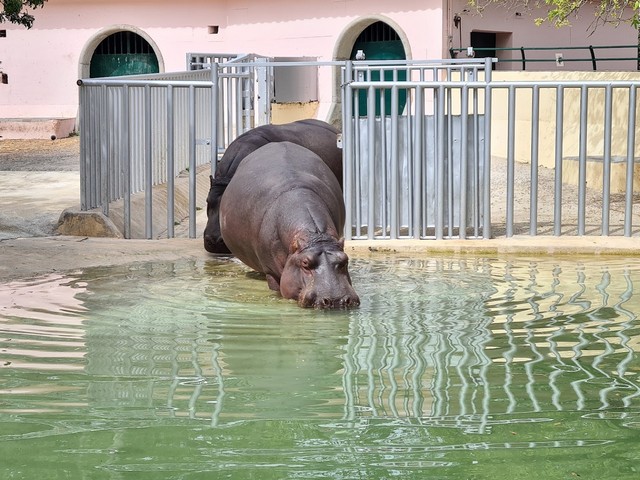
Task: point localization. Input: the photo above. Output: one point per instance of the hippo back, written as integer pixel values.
(318, 136)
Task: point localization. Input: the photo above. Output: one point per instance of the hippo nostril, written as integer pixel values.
(351, 301)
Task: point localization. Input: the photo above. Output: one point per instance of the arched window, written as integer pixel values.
(123, 53)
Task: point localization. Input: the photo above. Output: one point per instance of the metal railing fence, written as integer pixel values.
(409, 175)
(419, 139)
(141, 131)
(559, 56)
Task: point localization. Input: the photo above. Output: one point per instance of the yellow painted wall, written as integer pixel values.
(290, 112)
(571, 121)
(571, 133)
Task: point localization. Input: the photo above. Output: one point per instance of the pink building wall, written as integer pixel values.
(515, 27)
(45, 62)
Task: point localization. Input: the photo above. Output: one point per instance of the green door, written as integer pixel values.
(123, 53)
(380, 42)
(106, 65)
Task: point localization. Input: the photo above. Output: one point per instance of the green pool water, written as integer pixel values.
(452, 368)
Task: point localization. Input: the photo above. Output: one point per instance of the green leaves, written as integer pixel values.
(18, 11)
(560, 12)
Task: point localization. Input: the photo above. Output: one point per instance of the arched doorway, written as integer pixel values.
(379, 41)
(381, 38)
(123, 53)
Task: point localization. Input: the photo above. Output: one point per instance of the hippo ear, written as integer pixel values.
(341, 243)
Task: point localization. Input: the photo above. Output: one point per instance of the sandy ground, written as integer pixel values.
(39, 179)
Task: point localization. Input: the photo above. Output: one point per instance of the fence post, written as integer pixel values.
(264, 80)
(631, 142)
(192, 161)
(347, 146)
(104, 152)
(215, 115)
(170, 165)
(486, 219)
(557, 197)
(148, 165)
(126, 163)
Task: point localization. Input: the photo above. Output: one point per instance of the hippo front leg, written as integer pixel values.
(273, 283)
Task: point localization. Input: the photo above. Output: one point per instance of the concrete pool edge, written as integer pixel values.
(28, 257)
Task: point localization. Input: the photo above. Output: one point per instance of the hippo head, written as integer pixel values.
(212, 237)
(316, 274)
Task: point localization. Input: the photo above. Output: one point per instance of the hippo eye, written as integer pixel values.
(308, 263)
(342, 262)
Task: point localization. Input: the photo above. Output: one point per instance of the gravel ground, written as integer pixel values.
(569, 208)
(40, 155)
(38, 180)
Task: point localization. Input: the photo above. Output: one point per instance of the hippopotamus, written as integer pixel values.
(282, 214)
(318, 136)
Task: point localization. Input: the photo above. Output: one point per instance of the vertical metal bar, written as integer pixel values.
(631, 142)
(357, 159)
(582, 159)
(83, 92)
(417, 197)
(347, 146)
(192, 161)
(486, 200)
(394, 217)
(557, 196)
(215, 86)
(606, 166)
(104, 152)
(239, 102)
(511, 118)
(126, 162)
(170, 164)
(148, 165)
(535, 135)
(464, 113)
(382, 196)
(440, 164)
(371, 164)
(409, 160)
(449, 159)
(476, 162)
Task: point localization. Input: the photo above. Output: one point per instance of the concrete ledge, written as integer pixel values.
(36, 128)
(517, 245)
(25, 257)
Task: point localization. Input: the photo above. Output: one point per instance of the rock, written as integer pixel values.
(86, 224)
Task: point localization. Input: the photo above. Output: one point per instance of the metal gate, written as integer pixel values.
(417, 169)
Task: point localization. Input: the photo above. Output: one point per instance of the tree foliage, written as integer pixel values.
(560, 12)
(19, 11)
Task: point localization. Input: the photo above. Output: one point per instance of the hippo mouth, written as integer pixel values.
(324, 303)
(215, 246)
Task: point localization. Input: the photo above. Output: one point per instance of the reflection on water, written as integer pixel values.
(453, 364)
